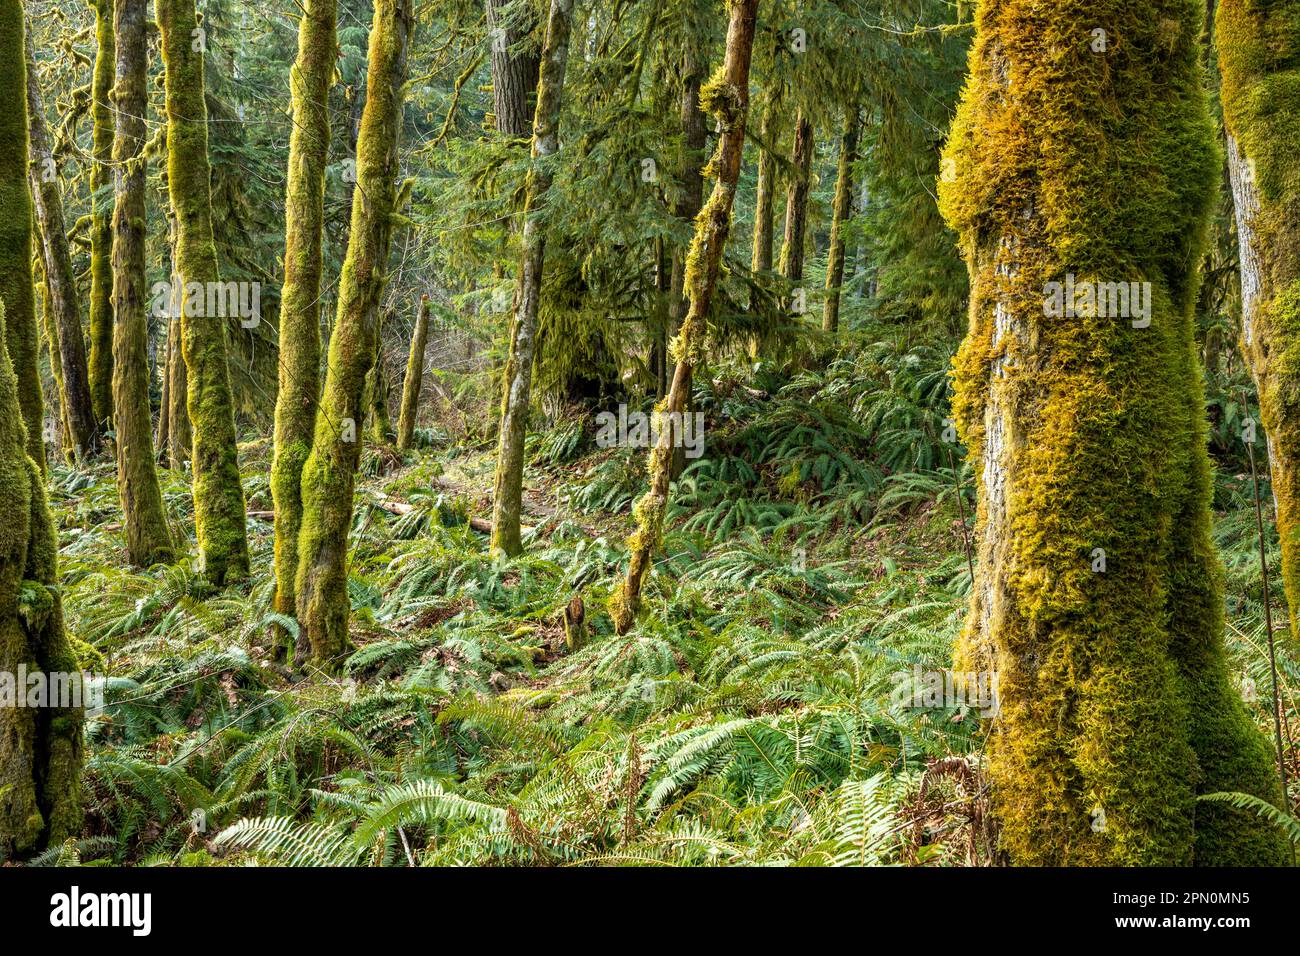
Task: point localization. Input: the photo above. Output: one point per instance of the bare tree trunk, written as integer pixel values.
(414, 377)
(69, 349)
(726, 96)
(148, 539)
(514, 64)
(843, 211)
(329, 474)
(507, 492)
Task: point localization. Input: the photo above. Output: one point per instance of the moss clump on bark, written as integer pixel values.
(219, 519)
(1097, 600)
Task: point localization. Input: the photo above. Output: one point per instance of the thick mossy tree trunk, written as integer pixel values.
(300, 346)
(101, 228)
(1259, 60)
(796, 200)
(507, 493)
(41, 749)
(329, 475)
(67, 346)
(514, 64)
(16, 285)
(1098, 601)
(726, 96)
(148, 539)
(840, 217)
(414, 377)
(219, 520)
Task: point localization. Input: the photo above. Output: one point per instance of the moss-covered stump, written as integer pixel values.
(1084, 155)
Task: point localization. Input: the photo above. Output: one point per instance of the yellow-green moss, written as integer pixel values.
(219, 519)
(101, 236)
(1089, 433)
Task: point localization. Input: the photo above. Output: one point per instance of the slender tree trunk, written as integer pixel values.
(508, 487)
(68, 350)
(16, 280)
(41, 750)
(514, 66)
(329, 475)
(726, 96)
(843, 211)
(165, 399)
(761, 259)
(148, 539)
(381, 426)
(218, 497)
(414, 378)
(796, 201)
(101, 228)
(1259, 59)
(180, 436)
(1097, 602)
(300, 345)
(63, 443)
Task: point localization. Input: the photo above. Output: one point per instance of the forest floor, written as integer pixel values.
(756, 714)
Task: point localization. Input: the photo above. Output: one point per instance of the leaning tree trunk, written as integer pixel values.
(101, 228)
(300, 347)
(843, 210)
(41, 748)
(329, 475)
(414, 377)
(148, 539)
(1259, 59)
(514, 66)
(1097, 603)
(796, 201)
(726, 96)
(219, 520)
(507, 494)
(16, 285)
(68, 350)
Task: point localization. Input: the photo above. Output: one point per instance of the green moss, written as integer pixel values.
(295, 407)
(219, 517)
(1088, 433)
(101, 241)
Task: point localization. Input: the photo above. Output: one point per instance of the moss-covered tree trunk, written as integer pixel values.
(300, 346)
(16, 285)
(796, 200)
(1259, 60)
(514, 65)
(329, 475)
(414, 377)
(67, 346)
(148, 539)
(219, 520)
(1097, 601)
(101, 228)
(765, 192)
(380, 427)
(726, 96)
(41, 749)
(507, 493)
(840, 217)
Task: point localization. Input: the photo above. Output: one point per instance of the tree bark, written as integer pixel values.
(1097, 601)
(517, 379)
(726, 96)
(514, 65)
(148, 539)
(68, 350)
(328, 477)
(101, 228)
(218, 496)
(796, 201)
(843, 211)
(300, 345)
(414, 378)
(1258, 50)
(761, 258)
